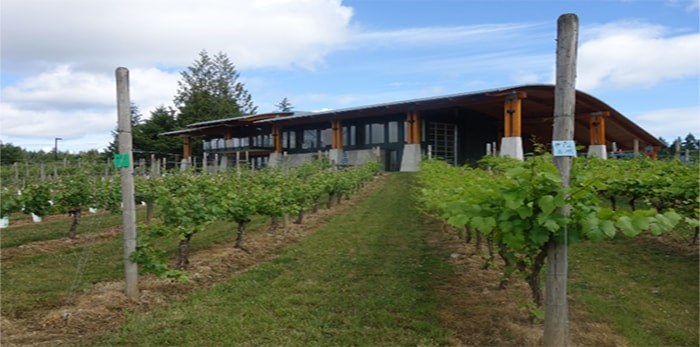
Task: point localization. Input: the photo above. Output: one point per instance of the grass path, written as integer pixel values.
(363, 279)
(644, 291)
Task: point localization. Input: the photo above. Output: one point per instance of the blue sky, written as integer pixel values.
(58, 58)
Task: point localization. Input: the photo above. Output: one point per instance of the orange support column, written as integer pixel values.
(596, 129)
(413, 126)
(512, 114)
(416, 128)
(336, 134)
(277, 138)
(511, 142)
(186, 147)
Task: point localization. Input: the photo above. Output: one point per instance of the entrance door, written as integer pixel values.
(442, 137)
(392, 160)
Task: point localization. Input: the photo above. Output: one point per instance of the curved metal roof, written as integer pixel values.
(537, 114)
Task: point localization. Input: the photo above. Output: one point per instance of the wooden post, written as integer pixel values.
(186, 147)
(238, 163)
(16, 167)
(127, 180)
(277, 138)
(597, 128)
(677, 154)
(556, 316)
(26, 173)
(636, 148)
(336, 134)
(512, 114)
(205, 162)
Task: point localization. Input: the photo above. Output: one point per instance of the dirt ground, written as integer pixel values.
(103, 308)
(478, 313)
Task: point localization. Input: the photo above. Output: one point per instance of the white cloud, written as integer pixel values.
(634, 54)
(60, 88)
(109, 33)
(72, 104)
(670, 123)
(423, 36)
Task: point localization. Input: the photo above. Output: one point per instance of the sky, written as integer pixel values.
(58, 58)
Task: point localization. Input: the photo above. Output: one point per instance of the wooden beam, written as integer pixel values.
(512, 114)
(596, 127)
(277, 138)
(336, 134)
(416, 128)
(186, 147)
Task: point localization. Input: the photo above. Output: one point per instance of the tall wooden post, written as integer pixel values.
(556, 316)
(277, 138)
(127, 180)
(186, 147)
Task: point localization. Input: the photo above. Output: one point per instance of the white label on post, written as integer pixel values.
(565, 148)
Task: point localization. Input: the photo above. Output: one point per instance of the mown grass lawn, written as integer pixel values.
(366, 278)
(644, 291)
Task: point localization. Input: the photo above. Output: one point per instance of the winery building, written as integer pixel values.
(459, 128)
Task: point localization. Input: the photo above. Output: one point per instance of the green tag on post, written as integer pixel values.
(121, 160)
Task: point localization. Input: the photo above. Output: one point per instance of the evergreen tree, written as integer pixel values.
(209, 89)
(10, 154)
(690, 142)
(148, 139)
(285, 105)
(113, 147)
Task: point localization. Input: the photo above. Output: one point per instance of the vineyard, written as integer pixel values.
(193, 228)
(515, 207)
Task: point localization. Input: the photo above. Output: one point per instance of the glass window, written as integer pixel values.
(326, 138)
(285, 140)
(349, 135)
(367, 139)
(309, 139)
(393, 128)
(377, 133)
(345, 136)
(292, 139)
(353, 135)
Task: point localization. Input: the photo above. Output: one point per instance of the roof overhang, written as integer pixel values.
(537, 115)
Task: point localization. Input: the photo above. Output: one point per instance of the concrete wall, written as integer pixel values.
(354, 157)
(360, 156)
(411, 157)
